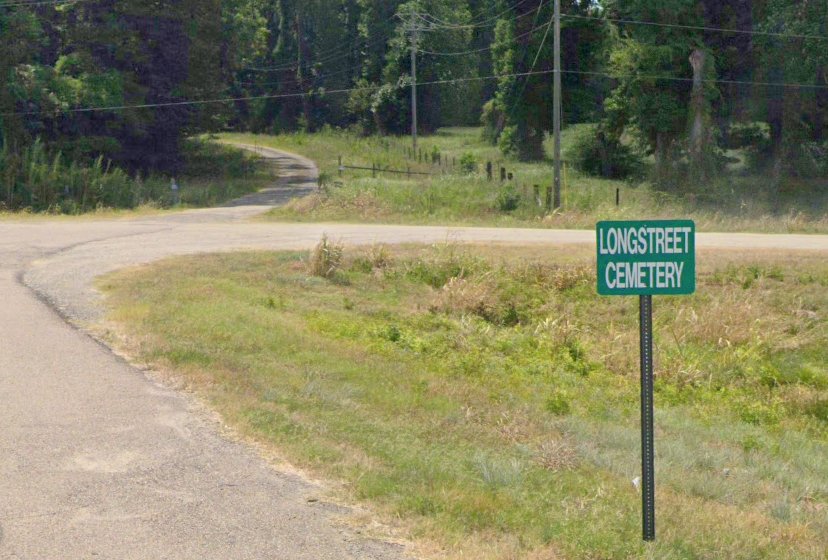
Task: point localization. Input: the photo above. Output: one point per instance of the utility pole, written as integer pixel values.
(556, 106)
(414, 40)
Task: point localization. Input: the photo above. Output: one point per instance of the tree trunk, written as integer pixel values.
(776, 117)
(697, 59)
(302, 57)
(660, 158)
(820, 125)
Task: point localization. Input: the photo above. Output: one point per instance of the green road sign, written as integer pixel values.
(646, 258)
(652, 257)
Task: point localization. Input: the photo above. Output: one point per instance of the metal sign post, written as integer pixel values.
(645, 306)
(646, 258)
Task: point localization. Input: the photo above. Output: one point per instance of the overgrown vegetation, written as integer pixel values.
(489, 399)
(456, 196)
(695, 95)
(325, 258)
(34, 180)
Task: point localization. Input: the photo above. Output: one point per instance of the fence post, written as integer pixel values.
(618, 196)
(510, 176)
(538, 200)
(489, 170)
(408, 171)
(373, 171)
(339, 167)
(549, 196)
(502, 174)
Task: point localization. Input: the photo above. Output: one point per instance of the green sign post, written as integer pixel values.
(646, 258)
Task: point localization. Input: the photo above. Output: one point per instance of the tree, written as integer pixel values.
(797, 113)
(19, 32)
(521, 110)
(105, 53)
(651, 65)
(441, 29)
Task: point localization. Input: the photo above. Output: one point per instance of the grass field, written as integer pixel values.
(455, 196)
(487, 399)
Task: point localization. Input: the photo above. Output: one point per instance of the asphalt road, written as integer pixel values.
(97, 460)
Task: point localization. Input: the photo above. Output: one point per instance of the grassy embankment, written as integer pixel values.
(459, 198)
(490, 402)
(35, 182)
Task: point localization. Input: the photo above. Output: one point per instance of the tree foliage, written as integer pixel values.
(158, 67)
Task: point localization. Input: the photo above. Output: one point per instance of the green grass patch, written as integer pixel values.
(459, 192)
(489, 398)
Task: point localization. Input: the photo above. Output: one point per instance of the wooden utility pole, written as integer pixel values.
(414, 40)
(556, 106)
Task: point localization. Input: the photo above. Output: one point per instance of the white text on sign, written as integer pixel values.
(643, 240)
(646, 257)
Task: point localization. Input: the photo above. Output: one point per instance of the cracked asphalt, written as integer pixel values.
(97, 460)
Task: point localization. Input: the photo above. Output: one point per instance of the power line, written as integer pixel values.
(697, 27)
(37, 3)
(273, 96)
(480, 23)
(483, 49)
(314, 76)
(324, 57)
(790, 85)
(339, 55)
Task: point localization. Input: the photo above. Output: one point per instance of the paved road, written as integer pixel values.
(97, 460)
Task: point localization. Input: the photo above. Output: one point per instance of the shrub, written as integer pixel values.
(325, 258)
(558, 403)
(818, 409)
(390, 108)
(435, 154)
(508, 141)
(508, 199)
(468, 163)
(492, 119)
(359, 107)
(596, 152)
(379, 256)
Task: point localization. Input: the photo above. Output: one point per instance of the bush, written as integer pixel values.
(492, 119)
(35, 180)
(390, 108)
(508, 199)
(468, 163)
(596, 152)
(558, 403)
(508, 141)
(325, 258)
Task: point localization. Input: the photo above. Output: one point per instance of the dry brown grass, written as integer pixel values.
(325, 258)
(556, 455)
(461, 296)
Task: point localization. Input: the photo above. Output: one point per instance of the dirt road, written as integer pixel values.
(97, 460)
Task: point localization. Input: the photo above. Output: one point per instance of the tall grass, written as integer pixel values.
(35, 180)
(459, 193)
(32, 178)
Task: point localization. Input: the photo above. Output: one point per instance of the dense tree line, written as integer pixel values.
(684, 80)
